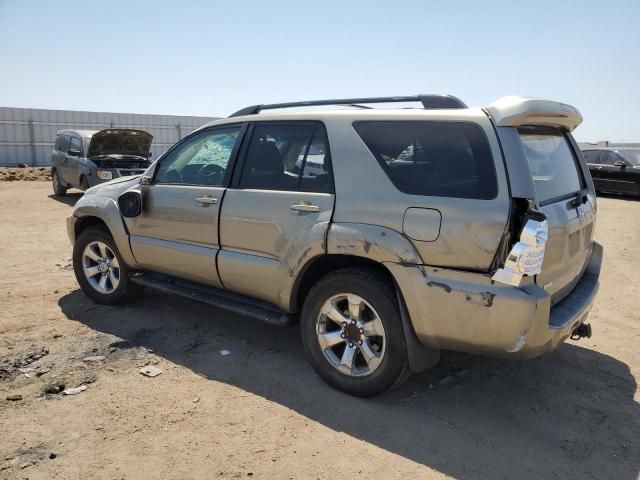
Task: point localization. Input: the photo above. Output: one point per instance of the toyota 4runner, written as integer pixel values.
(389, 233)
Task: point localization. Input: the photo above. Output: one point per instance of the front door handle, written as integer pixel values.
(206, 200)
(305, 207)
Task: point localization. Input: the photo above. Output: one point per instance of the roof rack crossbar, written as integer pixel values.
(428, 101)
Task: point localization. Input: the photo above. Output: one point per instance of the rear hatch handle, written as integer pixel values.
(580, 199)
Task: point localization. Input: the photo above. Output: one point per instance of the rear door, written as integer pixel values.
(72, 166)
(277, 210)
(592, 157)
(614, 175)
(177, 232)
(62, 159)
(568, 204)
(58, 155)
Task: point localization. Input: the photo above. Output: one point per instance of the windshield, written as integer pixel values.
(552, 163)
(632, 156)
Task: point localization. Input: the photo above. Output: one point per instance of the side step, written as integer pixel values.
(213, 296)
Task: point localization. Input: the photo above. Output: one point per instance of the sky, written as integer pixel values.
(212, 58)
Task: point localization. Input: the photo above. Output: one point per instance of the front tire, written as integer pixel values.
(58, 189)
(352, 332)
(100, 269)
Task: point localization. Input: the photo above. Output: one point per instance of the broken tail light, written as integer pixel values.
(526, 256)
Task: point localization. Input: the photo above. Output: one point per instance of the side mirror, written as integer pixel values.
(149, 155)
(74, 152)
(130, 204)
(620, 163)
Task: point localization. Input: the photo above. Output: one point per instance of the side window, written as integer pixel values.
(277, 155)
(76, 145)
(316, 170)
(445, 159)
(62, 143)
(200, 160)
(609, 158)
(591, 156)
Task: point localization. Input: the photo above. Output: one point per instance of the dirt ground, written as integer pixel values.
(12, 174)
(261, 412)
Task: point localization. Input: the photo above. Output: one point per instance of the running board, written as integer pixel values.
(213, 296)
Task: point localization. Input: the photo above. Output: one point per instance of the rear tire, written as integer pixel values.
(100, 269)
(364, 357)
(58, 188)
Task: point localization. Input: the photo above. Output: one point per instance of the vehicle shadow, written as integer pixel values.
(619, 196)
(570, 414)
(69, 199)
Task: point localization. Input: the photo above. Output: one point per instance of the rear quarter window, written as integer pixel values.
(444, 159)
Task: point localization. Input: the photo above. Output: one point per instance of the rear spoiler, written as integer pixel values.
(518, 111)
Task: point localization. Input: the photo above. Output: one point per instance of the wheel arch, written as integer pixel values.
(367, 246)
(104, 211)
(87, 221)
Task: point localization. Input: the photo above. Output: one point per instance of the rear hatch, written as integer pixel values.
(564, 197)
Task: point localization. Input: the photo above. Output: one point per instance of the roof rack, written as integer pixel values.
(428, 101)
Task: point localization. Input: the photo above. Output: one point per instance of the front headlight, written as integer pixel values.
(104, 175)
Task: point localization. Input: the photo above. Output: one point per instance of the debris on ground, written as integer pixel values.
(12, 174)
(65, 264)
(14, 398)
(39, 371)
(150, 371)
(94, 358)
(75, 390)
(9, 367)
(446, 380)
(54, 388)
(224, 353)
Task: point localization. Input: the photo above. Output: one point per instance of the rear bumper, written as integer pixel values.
(468, 312)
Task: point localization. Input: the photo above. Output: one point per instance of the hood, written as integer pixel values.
(120, 141)
(113, 188)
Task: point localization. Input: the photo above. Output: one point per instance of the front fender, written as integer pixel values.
(106, 209)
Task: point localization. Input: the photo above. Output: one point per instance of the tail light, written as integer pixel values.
(526, 256)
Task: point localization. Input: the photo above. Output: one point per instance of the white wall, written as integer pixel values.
(27, 134)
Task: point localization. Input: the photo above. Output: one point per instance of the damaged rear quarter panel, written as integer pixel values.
(465, 311)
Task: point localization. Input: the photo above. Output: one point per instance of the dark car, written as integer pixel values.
(613, 169)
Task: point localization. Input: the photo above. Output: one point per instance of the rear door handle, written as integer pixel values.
(206, 200)
(305, 207)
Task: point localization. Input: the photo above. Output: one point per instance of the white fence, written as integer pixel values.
(27, 134)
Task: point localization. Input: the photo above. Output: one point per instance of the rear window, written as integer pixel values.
(445, 159)
(552, 162)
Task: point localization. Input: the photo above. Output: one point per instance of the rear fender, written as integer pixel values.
(387, 247)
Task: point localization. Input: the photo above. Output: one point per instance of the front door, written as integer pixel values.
(276, 214)
(177, 232)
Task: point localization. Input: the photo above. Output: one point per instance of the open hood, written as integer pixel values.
(120, 141)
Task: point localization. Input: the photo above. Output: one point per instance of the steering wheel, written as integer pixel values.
(210, 172)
